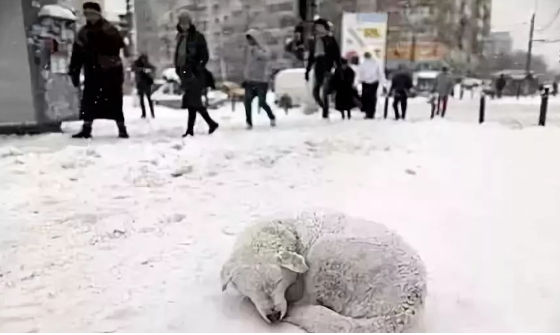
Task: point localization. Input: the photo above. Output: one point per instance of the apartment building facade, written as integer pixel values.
(223, 22)
(427, 33)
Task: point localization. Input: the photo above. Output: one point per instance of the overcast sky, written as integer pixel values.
(514, 16)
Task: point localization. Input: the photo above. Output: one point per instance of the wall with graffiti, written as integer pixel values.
(50, 38)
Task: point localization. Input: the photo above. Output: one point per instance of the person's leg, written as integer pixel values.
(191, 122)
(363, 98)
(366, 98)
(317, 85)
(86, 130)
(326, 95)
(396, 101)
(262, 90)
(404, 106)
(212, 125)
(248, 102)
(342, 113)
(151, 103)
(142, 105)
(444, 106)
(438, 105)
(349, 114)
(374, 89)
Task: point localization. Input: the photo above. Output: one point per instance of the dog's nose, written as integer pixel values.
(274, 317)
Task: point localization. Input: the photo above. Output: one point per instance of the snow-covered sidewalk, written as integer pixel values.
(114, 235)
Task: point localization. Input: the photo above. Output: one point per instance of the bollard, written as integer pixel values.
(482, 110)
(544, 107)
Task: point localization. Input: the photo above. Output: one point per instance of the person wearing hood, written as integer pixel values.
(144, 73)
(191, 57)
(443, 87)
(96, 51)
(256, 81)
(324, 55)
(371, 74)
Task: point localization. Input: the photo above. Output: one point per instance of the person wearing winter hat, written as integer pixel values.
(96, 51)
(191, 57)
(324, 55)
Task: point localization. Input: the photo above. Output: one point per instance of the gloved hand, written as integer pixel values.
(75, 80)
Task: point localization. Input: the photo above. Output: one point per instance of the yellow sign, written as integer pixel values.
(372, 33)
(423, 52)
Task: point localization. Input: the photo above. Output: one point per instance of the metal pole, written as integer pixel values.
(482, 110)
(530, 47)
(544, 107)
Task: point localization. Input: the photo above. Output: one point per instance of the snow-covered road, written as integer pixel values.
(112, 235)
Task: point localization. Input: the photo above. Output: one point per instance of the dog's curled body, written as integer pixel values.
(357, 275)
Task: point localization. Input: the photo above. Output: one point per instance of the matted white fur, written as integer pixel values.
(326, 272)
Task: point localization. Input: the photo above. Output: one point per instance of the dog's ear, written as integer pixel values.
(292, 261)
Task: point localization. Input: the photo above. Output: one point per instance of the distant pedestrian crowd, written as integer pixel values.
(97, 48)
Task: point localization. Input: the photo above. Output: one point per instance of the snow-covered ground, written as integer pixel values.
(129, 235)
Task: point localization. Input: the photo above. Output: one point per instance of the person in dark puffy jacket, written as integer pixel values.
(400, 90)
(191, 57)
(144, 73)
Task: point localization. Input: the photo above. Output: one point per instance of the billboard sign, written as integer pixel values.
(364, 32)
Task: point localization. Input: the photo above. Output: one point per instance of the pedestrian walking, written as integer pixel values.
(443, 87)
(500, 85)
(191, 57)
(324, 55)
(256, 80)
(144, 73)
(371, 74)
(96, 51)
(343, 85)
(295, 47)
(400, 90)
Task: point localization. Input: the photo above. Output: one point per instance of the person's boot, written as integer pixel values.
(212, 129)
(273, 123)
(123, 133)
(85, 132)
(188, 133)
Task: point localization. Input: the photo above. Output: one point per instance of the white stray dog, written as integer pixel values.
(338, 274)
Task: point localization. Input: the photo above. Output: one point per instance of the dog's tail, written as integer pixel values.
(319, 319)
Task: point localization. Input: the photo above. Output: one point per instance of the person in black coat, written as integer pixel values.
(500, 86)
(97, 51)
(191, 57)
(324, 55)
(144, 73)
(343, 85)
(400, 89)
